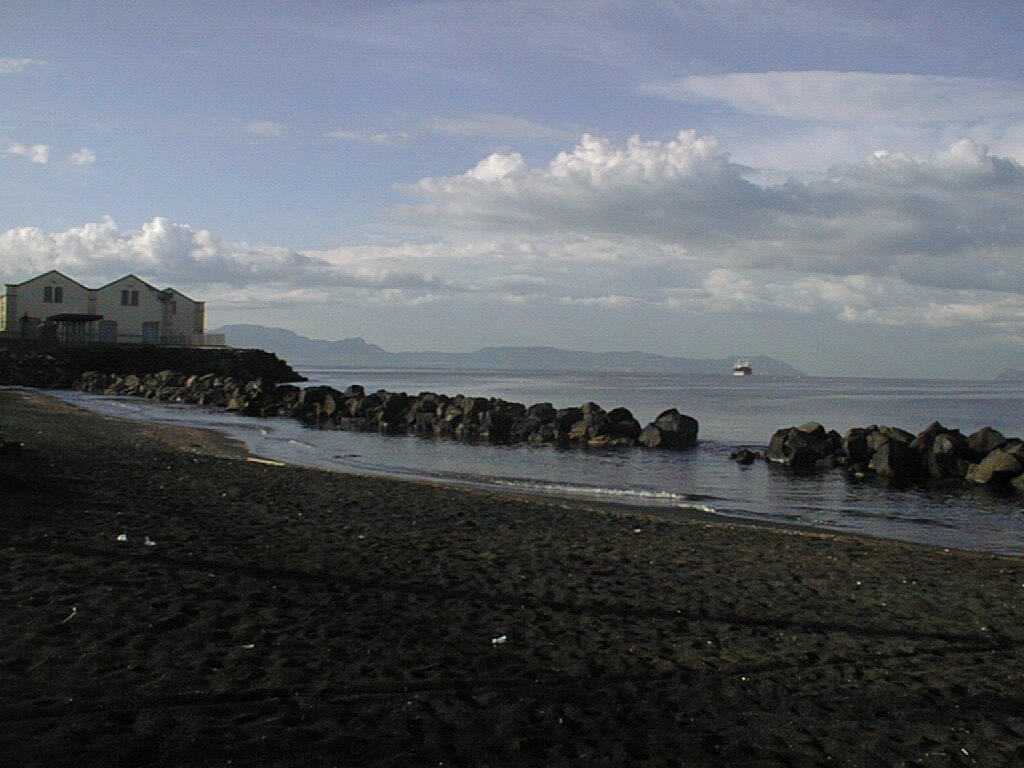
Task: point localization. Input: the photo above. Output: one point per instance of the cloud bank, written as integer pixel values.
(670, 226)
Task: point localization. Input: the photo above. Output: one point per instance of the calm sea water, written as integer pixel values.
(732, 412)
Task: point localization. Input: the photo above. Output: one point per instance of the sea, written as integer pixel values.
(732, 411)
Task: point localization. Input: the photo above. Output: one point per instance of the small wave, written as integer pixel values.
(623, 495)
(293, 441)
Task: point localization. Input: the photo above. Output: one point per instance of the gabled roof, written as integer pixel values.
(46, 274)
(129, 277)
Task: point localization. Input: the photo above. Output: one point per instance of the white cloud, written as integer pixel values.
(854, 97)
(496, 126)
(10, 66)
(396, 137)
(565, 272)
(487, 126)
(265, 129)
(84, 156)
(36, 153)
(862, 299)
(952, 219)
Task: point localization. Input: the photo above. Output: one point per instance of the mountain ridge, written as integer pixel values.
(357, 352)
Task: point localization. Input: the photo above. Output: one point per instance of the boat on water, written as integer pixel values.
(742, 368)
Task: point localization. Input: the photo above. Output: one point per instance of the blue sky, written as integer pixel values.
(837, 185)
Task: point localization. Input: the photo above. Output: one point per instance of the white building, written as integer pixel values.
(128, 310)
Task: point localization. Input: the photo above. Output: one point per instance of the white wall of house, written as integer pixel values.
(133, 310)
(135, 306)
(49, 294)
(184, 318)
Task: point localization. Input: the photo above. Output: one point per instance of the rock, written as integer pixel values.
(671, 430)
(879, 436)
(997, 468)
(542, 412)
(984, 441)
(544, 434)
(743, 456)
(946, 457)
(650, 437)
(801, 447)
(896, 459)
(623, 425)
(855, 445)
(566, 417)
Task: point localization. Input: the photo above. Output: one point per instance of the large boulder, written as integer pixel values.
(855, 445)
(802, 447)
(984, 441)
(947, 456)
(671, 430)
(897, 460)
(623, 425)
(997, 468)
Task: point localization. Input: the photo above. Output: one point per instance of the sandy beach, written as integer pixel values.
(167, 601)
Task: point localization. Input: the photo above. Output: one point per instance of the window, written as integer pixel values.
(135, 298)
(53, 294)
(58, 295)
(129, 298)
(48, 294)
(124, 298)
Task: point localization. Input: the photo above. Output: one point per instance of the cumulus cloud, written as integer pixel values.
(84, 156)
(10, 66)
(857, 97)
(638, 189)
(265, 129)
(36, 153)
(954, 219)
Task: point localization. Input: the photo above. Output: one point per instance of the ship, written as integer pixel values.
(742, 368)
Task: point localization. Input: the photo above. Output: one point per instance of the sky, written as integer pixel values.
(837, 185)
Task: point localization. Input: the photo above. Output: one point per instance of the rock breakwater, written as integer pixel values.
(936, 454)
(472, 419)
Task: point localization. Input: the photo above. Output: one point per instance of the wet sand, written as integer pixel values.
(166, 601)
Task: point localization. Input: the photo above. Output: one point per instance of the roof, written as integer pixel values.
(129, 276)
(45, 274)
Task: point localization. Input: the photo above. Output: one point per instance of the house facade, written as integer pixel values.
(126, 311)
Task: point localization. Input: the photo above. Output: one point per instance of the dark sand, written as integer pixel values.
(295, 617)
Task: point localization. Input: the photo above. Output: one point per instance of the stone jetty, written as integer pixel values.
(471, 419)
(936, 454)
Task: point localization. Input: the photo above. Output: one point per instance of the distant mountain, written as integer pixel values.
(1011, 374)
(356, 353)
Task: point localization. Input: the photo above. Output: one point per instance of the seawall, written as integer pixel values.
(56, 365)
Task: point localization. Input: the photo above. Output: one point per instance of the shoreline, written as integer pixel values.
(607, 505)
(235, 447)
(275, 615)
